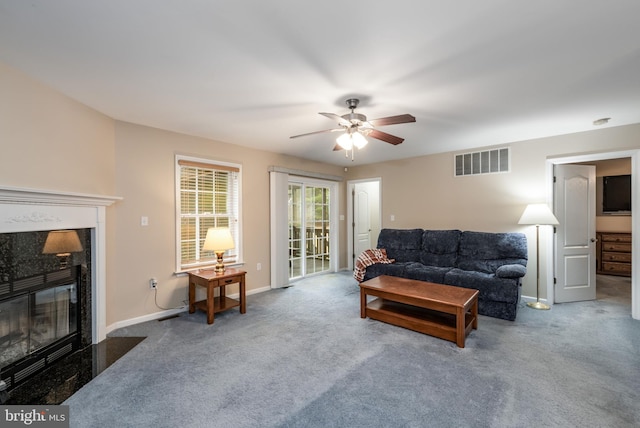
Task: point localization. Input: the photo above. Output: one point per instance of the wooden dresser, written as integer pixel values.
(613, 253)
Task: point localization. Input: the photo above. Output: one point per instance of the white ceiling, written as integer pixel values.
(254, 72)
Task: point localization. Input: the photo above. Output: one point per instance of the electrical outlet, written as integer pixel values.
(153, 283)
(259, 266)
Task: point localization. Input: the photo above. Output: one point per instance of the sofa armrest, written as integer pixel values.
(511, 271)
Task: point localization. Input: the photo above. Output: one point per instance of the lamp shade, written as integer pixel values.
(349, 139)
(358, 140)
(218, 240)
(539, 214)
(62, 241)
(345, 141)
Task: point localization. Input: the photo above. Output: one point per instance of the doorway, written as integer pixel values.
(364, 216)
(309, 223)
(634, 156)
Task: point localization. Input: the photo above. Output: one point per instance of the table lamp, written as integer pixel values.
(218, 240)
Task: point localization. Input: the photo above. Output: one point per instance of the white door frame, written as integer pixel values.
(635, 219)
(334, 249)
(351, 184)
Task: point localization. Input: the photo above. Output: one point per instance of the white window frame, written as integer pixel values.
(206, 261)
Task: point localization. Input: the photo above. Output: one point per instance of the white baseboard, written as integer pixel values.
(145, 318)
(170, 312)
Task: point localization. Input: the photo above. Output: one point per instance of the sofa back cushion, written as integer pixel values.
(486, 252)
(403, 245)
(440, 247)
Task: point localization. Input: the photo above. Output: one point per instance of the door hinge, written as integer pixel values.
(555, 229)
(555, 280)
(554, 178)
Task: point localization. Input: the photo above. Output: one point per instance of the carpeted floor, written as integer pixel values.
(303, 357)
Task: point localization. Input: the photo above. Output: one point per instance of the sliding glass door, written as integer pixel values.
(309, 229)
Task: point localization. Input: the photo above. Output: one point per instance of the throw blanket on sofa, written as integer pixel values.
(368, 258)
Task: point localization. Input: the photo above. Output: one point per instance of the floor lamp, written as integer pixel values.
(540, 215)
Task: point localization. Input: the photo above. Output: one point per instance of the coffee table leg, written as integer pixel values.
(460, 327)
(363, 303)
(474, 313)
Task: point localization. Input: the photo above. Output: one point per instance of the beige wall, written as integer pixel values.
(423, 192)
(145, 178)
(49, 141)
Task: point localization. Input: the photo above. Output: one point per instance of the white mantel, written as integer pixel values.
(30, 210)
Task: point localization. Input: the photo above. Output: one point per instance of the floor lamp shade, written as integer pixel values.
(538, 214)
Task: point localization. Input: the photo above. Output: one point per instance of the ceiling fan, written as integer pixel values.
(356, 127)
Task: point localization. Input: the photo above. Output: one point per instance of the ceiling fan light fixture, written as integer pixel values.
(358, 140)
(345, 141)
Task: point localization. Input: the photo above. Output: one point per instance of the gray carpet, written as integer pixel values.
(303, 357)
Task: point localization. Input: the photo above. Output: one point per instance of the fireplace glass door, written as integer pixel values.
(33, 321)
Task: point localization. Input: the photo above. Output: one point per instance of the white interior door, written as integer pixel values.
(362, 225)
(574, 202)
(364, 216)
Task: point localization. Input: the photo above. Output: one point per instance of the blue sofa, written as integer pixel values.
(493, 263)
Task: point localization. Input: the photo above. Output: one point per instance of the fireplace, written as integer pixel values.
(45, 311)
(37, 289)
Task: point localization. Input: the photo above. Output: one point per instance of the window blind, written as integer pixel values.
(208, 197)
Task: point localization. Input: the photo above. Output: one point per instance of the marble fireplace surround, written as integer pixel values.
(30, 210)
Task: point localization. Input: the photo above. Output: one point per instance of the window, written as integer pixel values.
(207, 195)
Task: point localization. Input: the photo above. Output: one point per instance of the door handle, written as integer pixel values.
(593, 239)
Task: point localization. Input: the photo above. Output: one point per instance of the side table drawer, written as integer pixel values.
(229, 280)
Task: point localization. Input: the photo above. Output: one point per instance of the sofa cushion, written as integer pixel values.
(393, 269)
(403, 245)
(423, 272)
(486, 252)
(511, 271)
(491, 288)
(440, 247)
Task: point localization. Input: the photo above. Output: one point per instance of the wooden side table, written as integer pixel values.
(210, 280)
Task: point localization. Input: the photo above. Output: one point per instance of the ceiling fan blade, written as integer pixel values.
(337, 148)
(393, 120)
(318, 132)
(383, 136)
(342, 121)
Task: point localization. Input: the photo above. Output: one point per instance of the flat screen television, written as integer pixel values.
(616, 194)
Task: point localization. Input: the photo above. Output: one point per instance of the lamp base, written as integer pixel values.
(538, 305)
(220, 265)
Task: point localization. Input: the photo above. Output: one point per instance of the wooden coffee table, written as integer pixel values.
(438, 310)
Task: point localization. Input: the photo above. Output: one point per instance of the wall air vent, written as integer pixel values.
(485, 162)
